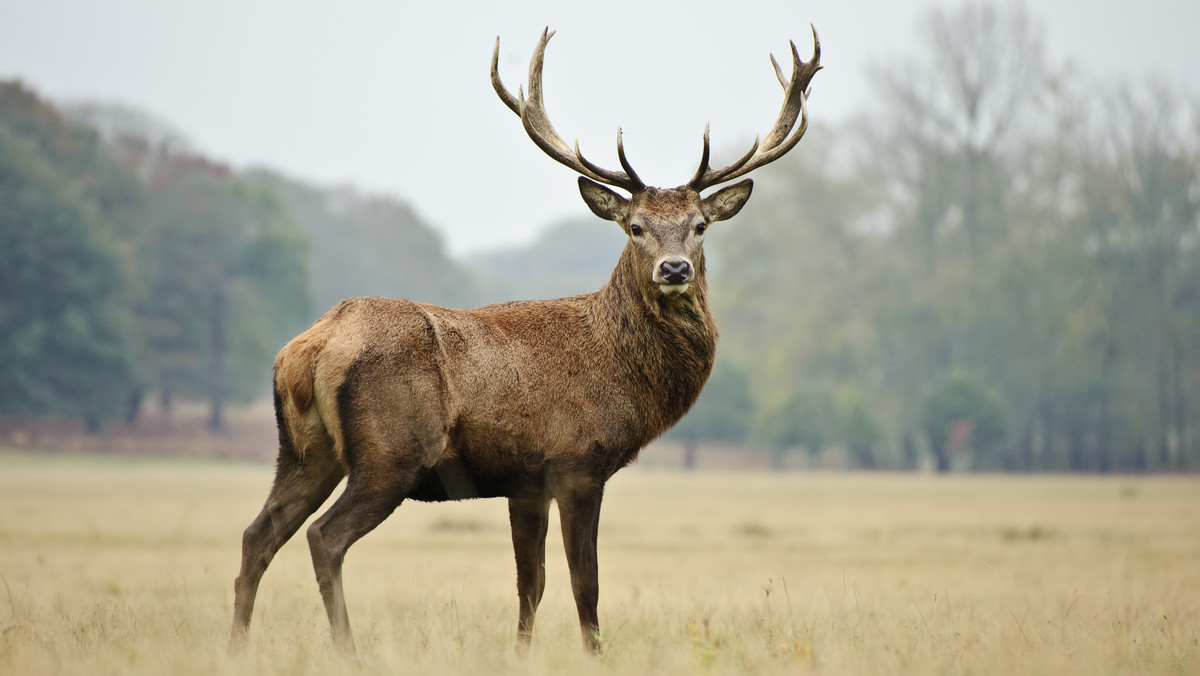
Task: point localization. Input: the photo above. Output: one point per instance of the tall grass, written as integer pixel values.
(120, 566)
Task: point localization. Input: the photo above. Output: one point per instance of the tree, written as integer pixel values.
(806, 419)
(860, 431)
(64, 320)
(721, 413)
(987, 271)
(963, 416)
(945, 143)
(1142, 208)
(227, 281)
(796, 269)
(947, 119)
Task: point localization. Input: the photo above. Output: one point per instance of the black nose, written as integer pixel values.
(676, 271)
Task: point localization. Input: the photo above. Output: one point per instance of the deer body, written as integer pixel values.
(504, 394)
(533, 401)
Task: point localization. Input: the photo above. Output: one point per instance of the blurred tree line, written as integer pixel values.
(568, 258)
(995, 268)
(133, 266)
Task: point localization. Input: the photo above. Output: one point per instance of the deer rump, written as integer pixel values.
(468, 398)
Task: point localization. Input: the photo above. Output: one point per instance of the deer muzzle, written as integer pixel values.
(673, 275)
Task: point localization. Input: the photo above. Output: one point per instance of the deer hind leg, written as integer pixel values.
(529, 518)
(365, 503)
(388, 455)
(301, 485)
(579, 511)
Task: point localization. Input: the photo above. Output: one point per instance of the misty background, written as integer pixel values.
(982, 256)
(394, 97)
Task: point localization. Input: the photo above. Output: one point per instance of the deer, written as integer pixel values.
(533, 401)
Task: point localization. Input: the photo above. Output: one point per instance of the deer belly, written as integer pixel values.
(454, 478)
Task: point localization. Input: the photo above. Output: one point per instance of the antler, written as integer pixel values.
(537, 124)
(777, 142)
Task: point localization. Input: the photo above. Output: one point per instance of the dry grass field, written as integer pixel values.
(126, 566)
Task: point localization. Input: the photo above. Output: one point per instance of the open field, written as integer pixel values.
(126, 566)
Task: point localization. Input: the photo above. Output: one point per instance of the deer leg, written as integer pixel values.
(529, 518)
(301, 486)
(579, 510)
(369, 498)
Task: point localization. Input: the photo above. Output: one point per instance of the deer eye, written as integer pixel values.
(700, 228)
(635, 230)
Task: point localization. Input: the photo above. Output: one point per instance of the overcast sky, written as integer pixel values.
(394, 96)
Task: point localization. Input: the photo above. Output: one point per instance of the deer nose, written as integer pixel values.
(676, 271)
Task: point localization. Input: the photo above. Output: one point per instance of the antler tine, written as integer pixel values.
(790, 109)
(705, 177)
(625, 163)
(629, 180)
(703, 161)
(778, 70)
(508, 99)
(532, 112)
(777, 142)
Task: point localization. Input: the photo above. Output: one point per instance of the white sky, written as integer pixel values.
(394, 96)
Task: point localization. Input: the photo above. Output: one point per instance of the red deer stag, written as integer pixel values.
(533, 401)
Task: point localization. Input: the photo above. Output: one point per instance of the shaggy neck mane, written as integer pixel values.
(665, 343)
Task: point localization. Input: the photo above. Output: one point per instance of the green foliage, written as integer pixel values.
(65, 325)
(963, 416)
(813, 418)
(129, 266)
(806, 419)
(227, 281)
(990, 217)
(790, 271)
(132, 264)
(860, 431)
(723, 411)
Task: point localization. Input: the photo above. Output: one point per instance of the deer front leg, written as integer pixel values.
(529, 518)
(579, 511)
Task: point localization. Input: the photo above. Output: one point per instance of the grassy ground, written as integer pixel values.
(126, 566)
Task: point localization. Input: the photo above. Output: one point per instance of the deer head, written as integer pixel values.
(665, 226)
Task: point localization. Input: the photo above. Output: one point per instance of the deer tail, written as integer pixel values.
(295, 371)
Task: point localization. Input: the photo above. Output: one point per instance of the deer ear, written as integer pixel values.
(726, 202)
(603, 202)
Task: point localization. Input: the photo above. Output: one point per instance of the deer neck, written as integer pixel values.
(666, 343)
